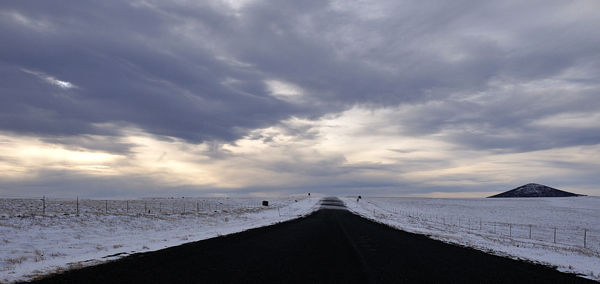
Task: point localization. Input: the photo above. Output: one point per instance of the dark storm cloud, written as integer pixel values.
(197, 71)
(392, 60)
(127, 69)
(467, 48)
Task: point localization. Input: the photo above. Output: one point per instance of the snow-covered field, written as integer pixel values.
(35, 240)
(560, 232)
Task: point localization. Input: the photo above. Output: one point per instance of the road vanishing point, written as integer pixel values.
(331, 245)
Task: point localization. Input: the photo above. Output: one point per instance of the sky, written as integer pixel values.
(458, 98)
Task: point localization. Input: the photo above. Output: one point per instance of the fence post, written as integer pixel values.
(44, 205)
(106, 206)
(584, 238)
(530, 232)
(127, 206)
(554, 234)
(510, 229)
(77, 206)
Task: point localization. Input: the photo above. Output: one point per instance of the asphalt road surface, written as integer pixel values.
(330, 246)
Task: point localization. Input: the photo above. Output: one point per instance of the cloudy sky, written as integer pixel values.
(462, 98)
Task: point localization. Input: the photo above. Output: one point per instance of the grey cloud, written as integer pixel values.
(158, 66)
(214, 150)
(108, 144)
(504, 120)
(196, 71)
(313, 165)
(122, 77)
(409, 64)
(67, 184)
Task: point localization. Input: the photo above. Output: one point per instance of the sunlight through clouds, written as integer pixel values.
(283, 90)
(356, 97)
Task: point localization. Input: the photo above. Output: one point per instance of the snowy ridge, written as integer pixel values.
(550, 231)
(535, 190)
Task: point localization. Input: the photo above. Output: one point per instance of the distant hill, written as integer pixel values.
(535, 190)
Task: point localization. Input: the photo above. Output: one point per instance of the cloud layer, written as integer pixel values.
(284, 96)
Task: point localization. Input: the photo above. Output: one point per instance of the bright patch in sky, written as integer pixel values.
(283, 90)
(62, 84)
(50, 79)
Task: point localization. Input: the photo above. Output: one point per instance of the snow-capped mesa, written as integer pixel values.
(535, 190)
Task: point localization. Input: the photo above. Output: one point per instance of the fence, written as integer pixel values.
(588, 238)
(49, 206)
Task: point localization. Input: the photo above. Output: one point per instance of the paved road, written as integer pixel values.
(330, 246)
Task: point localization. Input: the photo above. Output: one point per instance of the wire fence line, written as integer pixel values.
(588, 238)
(22, 207)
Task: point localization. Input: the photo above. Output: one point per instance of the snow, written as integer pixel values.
(34, 242)
(519, 228)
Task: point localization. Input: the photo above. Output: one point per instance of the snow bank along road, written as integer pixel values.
(331, 245)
